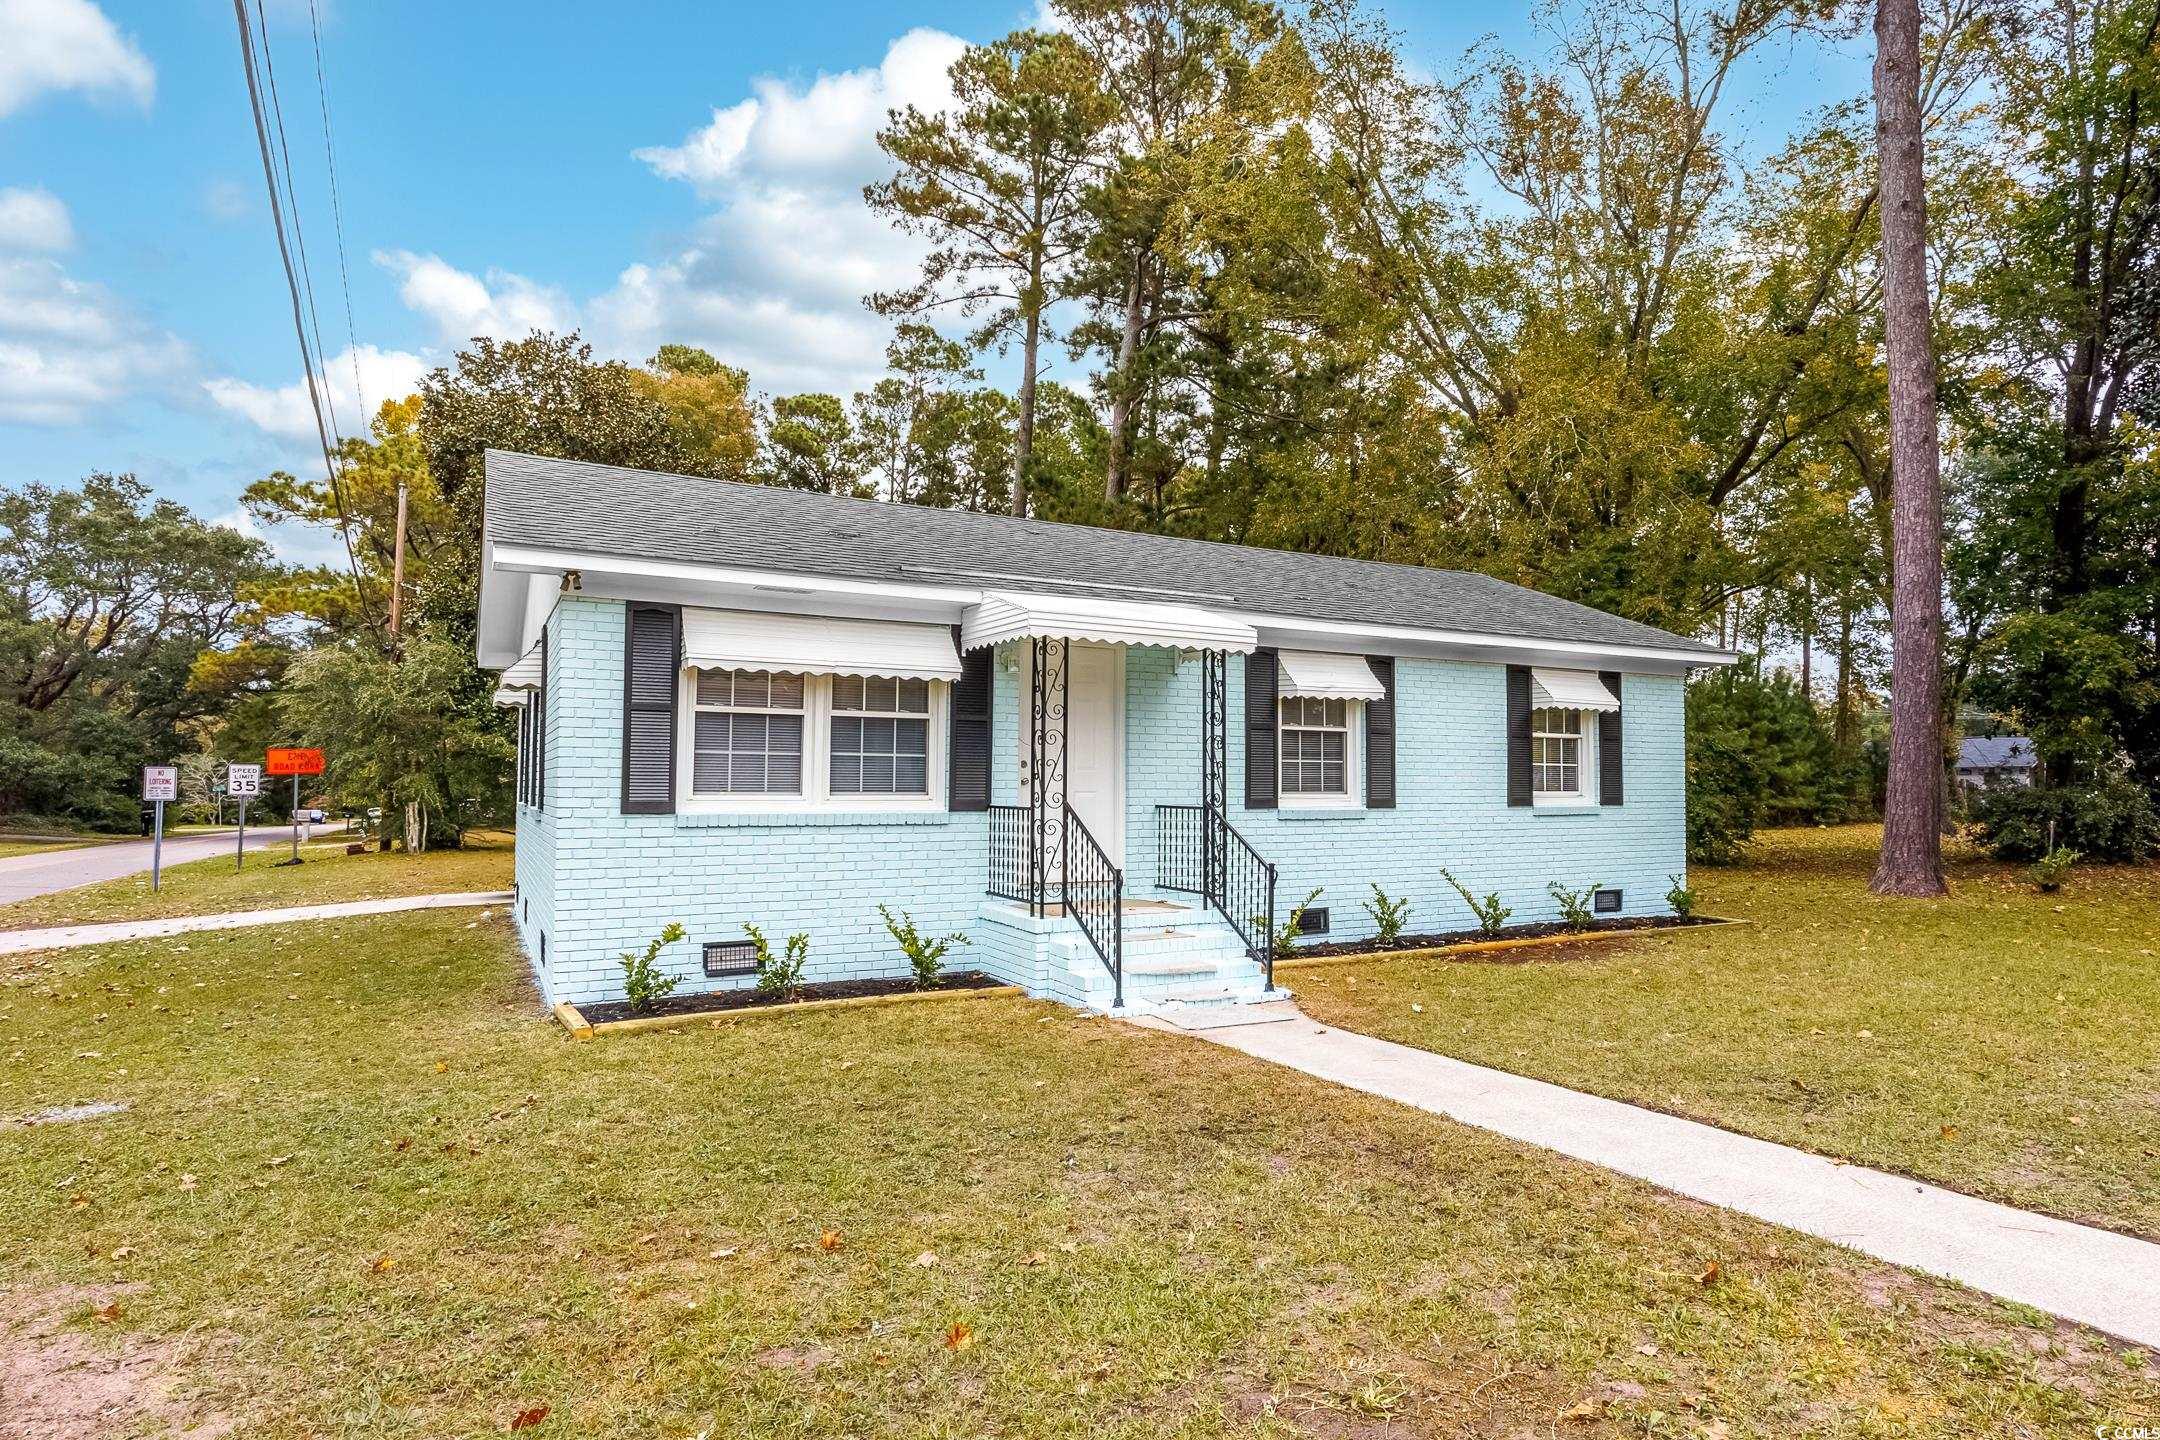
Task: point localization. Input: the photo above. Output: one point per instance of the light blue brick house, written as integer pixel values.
(1112, 760)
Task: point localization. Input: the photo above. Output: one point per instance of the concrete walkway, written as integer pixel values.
(63, 937)
(2094, 1277)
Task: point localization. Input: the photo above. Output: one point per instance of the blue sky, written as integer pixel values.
(646, 171)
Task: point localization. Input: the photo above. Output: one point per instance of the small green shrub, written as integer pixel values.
(779, 974)
(1492, 916)
(1575, 911)
(1680, 898)
(1285, 937)
(2049, 871)
(925, 956)
(1388, 915)
(643, 979)
(2110, 819)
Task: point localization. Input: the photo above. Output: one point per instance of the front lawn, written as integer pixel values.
(364, 1190)
(329, 875)
(2001, 1041)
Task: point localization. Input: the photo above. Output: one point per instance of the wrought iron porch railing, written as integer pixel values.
(1010, 862)
(1094, 891)
(1198, 852)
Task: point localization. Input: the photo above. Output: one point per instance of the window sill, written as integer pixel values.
(1321, 812)
(803, 819)
(1557, 808)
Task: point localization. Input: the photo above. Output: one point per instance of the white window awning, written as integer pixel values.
(1570, 690)
(1003, 615)
(515, 684)
(818, 645)
(1329, 677)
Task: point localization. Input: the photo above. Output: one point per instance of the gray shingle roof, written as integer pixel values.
(1996, 752)
(606, 509)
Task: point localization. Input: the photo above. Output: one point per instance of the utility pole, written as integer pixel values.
(397, 565)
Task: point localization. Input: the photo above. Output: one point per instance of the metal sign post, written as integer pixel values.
(245, 783)
(296, 762)
(159, 784)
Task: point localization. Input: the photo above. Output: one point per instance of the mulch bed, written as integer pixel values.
(1539, 931)
(718, 1001)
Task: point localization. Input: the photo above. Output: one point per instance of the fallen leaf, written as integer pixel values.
(1949, 1132)
(829, 1240)
(276, 1160)
(1867, 1034)
(187, 1182)
(1581, 1410)
(1034, 1258)
(1710, 1274)
(1416, 1009)
(2077, 1120)
(960, 1337)
(442, 1067)
(123, 1252)
(526, 1419)
(723, 1253)
(109, 1312)
(1646, 1348)
(925, 1260)
(382, 1265)
(402, 1143)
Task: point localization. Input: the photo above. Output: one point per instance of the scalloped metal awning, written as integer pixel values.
(1005, 615)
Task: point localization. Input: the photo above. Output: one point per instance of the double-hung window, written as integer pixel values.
(880, 736)
(1317, 755)
(1557, 768)
(747, 737)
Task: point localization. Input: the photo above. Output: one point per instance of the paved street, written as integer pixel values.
(47, 871)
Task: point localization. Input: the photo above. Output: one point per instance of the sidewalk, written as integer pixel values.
(2093, 1277)
(63, 937)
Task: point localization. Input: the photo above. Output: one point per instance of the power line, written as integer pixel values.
(292, 208)
(292, 287)
(337, 216)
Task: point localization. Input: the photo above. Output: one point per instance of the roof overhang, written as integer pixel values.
(1003, 615)
(524, 580)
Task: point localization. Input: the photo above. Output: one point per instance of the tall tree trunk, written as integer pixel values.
(1843, 727)
(1024, 439)
(1119, 474)
(1911, 862)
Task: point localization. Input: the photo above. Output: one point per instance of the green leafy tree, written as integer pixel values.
(812, 444)
(997, 184)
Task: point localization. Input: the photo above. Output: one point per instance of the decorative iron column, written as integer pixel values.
(1048, 670)
(1214, 767)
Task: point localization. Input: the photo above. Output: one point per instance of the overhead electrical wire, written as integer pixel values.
(292, 287)
(292, 210)
(337, 216)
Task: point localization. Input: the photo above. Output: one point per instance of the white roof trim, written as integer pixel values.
(1328, 677)
(817, 645)
(1569, 690)
(1003, 615)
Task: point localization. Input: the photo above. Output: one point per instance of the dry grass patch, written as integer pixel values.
(2000, 1041)
(409, 1206)
(329, 875)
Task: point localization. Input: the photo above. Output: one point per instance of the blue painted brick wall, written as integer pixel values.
(600, 882)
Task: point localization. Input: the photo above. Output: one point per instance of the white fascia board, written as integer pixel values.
(663, 579)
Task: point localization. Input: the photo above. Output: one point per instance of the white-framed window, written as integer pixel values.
(777, 740)
(747, 733)
(1317, 750)
(1560, 762)
(880, 736)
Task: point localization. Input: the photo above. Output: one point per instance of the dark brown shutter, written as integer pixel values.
(652, 669)
(540, 703)
(967, 773)
(1261, 685)
(1518, 735)
(1380, 737)
(1608, 744)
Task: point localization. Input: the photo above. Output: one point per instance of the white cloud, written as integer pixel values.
(34, 219)
(283, 410)
(68, 347)
(462, 305)
(67, 45)
(227, 200)
(823, 131)
(774, 275)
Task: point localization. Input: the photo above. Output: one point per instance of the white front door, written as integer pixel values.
(1095, 741)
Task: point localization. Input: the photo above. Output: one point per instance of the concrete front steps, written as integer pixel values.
(1183, 965)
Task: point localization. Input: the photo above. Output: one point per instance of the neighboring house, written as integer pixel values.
(1111, 759)
(1987, 761)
